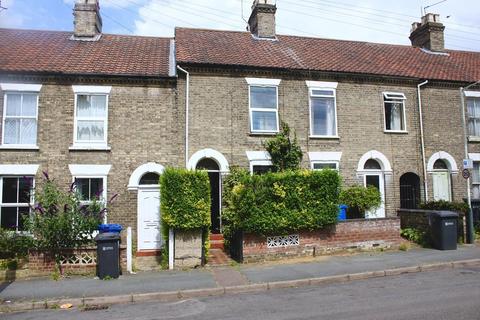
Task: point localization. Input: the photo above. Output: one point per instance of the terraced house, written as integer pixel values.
(111, 111)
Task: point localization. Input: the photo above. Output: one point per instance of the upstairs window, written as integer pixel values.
(20, 115)
(394, 109)
(323, 113)
(15, 201)
(473, 108)
(91, 117)
(263, 105)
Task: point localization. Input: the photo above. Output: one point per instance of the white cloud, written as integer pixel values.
(9, 19)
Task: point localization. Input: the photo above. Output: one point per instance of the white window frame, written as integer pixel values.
(313, 163)
(324, 86)
(263, 83)
(16, 205)
(92, 172)
(91, 91)
(325, 157)
(19, 88)
(475, 116)
(390, 97)
(259, 158)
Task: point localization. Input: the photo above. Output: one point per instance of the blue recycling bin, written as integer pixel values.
(342, 212)
(110, 227)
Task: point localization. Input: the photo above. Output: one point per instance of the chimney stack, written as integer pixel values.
(87, 20)
(428, 34)
(262, 20)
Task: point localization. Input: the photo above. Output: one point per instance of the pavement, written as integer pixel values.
(173, 285)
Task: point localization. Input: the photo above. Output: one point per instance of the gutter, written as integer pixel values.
(425, 183)
(187, 105)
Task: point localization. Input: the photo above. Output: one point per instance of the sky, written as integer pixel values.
(382, 21)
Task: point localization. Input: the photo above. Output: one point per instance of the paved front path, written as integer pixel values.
(41, 289)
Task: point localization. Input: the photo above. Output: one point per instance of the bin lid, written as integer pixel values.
(107, 236)
(445, 214)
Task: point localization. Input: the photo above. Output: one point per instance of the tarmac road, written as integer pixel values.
(449, 294)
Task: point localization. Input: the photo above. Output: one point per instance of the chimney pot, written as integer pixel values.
(262, 19)
(87, 20)
(428, 34)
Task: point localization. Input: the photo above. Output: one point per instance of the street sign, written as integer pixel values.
(467, 164)
(466, 173)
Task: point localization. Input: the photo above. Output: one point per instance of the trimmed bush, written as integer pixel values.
(280, 203)
(185, 205)
(185, 201)
(360, 199)
(460, 207)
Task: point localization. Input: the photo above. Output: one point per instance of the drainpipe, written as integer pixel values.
(425, 184)
(470, 232)
(187, 104)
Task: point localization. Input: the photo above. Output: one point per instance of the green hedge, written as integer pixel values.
(185, 205)
(460, 207)
(185, 200)
(280, 203)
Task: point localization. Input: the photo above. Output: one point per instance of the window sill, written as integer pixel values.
(473, 139)
(270, 133)
(396, 131)
(89, 148)
(325, 137)
(19, 147)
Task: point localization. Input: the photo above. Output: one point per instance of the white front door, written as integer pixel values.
(441, 185)
(148, 210)
(376, 180)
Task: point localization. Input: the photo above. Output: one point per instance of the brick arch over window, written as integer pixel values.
(446, 157)
(138, 173)
(211, 154)
(376, 155)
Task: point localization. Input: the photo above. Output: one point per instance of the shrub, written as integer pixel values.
(60, 220)
(286, 154)
(185, 204)
(14, 245)
(415, 235)
(279, 203)
(460, 207)
(361, 199)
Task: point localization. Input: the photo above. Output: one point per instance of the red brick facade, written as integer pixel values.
(353, 234)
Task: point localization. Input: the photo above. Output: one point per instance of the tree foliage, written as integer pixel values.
(286, 153)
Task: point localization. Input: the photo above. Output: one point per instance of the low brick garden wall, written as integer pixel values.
(73, 261)
(420, 219)
(346, 235)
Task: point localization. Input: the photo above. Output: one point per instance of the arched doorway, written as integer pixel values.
(409, 191)
(374, 178)
(213, 169)
(145, 180)
(441, 181)
(442, 165)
